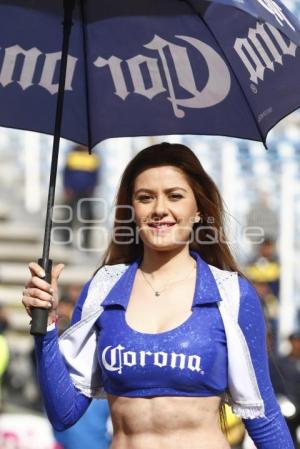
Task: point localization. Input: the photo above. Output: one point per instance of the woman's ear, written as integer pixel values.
(197, 218)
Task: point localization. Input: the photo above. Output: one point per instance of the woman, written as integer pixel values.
(167, 329)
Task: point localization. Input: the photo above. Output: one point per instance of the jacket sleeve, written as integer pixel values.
(64, 404)
(270, 432)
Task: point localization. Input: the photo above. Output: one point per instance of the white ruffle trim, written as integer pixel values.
(248, 411)
(243, 409)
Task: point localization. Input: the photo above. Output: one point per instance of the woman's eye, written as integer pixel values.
(176, 195)
(144, 197)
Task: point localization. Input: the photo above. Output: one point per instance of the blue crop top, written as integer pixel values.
(178, 362)
(190, 360)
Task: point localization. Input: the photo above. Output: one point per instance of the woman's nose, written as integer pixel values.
(160, 205)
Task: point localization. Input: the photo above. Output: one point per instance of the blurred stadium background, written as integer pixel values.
(260, 188)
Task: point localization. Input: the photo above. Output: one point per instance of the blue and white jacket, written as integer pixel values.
(70, 374)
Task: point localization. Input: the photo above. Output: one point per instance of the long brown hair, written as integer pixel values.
(214, 251)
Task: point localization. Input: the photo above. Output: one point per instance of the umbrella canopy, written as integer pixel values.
(150, 67)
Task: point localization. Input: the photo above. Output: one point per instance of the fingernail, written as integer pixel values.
(51, 290)
(49, 305)
(41, 273)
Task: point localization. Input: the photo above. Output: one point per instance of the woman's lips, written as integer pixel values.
(161, 227)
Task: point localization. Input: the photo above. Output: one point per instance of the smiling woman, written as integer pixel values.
(167, 329)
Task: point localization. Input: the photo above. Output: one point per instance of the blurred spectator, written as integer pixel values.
(80, 178)
(264, 266)
(4, 351)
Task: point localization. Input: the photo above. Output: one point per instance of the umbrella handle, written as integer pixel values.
(39, 314)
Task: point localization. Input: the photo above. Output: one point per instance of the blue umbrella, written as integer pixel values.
(150, 67)
(146, 67)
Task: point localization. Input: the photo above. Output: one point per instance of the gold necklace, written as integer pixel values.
(158, 292)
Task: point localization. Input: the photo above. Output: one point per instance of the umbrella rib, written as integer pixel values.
(234, 74)
(87, 96)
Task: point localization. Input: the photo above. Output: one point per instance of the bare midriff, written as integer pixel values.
(166, 422)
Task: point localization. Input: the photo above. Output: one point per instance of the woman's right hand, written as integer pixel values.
(39, 293)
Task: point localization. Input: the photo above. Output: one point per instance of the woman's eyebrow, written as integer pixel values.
(166, 190)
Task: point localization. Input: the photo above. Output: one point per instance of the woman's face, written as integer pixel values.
(165, 207)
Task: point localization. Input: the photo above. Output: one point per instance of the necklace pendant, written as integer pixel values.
(157, 293)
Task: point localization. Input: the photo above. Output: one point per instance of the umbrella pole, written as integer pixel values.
(40, 315)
